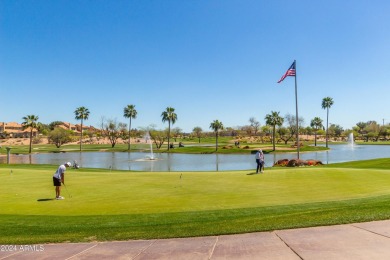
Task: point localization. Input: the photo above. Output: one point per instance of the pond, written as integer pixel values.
(139, 161)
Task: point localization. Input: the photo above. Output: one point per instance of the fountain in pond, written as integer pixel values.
(149, 140)
(351, 141)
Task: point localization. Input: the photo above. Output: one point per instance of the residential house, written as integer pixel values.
(76, 128)
(14, 129)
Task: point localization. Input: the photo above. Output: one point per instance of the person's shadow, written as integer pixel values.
(251, 173)
(45, 199)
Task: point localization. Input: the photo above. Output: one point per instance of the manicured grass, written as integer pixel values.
(122, 205)
(364, 164)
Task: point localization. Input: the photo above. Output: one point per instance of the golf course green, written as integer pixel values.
(105, 205)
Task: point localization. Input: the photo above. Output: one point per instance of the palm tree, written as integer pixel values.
(82, 114)
(129, 112)
(327, 103)
(170, 116)
(274, 119)
(216, 126)
(30, 121)
(316, 124)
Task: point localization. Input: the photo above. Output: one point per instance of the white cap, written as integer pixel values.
(68, 164)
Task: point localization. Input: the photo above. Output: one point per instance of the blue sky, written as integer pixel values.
(214, 59)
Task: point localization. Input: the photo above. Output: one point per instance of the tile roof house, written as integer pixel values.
(13, 129)
(76, 128)
(68, 126)
(16, 130)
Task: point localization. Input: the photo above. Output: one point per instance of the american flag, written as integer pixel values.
(289, 72)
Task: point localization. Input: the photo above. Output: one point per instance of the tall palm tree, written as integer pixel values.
(326, 104)
(216, 126)
(170, 116)
(81, 113)
(130, 112)
(30, 121)
(274, 119)
(316, 124)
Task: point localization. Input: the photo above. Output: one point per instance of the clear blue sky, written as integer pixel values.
(214, 59)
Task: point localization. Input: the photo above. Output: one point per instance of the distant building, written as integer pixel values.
(13, 129)
(67, 126)
(76, 128)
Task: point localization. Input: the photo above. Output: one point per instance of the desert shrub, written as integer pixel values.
(37, 140)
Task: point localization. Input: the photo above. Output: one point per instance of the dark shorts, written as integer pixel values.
(56, 182)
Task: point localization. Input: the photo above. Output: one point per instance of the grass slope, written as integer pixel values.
(122, 205)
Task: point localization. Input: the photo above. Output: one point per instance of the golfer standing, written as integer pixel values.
(260, 161)
(58, 177)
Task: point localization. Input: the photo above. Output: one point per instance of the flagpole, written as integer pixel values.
(296, 107)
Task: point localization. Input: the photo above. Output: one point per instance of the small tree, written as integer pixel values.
(255, 125)
(284, 134)
(158, 137)
(359, 128)
(274, 119)
(114, 131)
(292, 126)
(59, 136)
(335, 130)
(177, 132)
(43, 129)
(197, 132)
(247, 129)
(53, 124)
(316, 123)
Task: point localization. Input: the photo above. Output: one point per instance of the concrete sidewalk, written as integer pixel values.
(352, 241)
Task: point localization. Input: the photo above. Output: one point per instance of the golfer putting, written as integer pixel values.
(59, 177)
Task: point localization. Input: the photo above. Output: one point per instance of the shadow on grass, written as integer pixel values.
(45, 199)
(252, 173)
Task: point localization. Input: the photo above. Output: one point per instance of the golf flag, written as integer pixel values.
(289, 72)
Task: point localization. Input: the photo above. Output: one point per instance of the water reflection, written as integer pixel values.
(196, 162)
(217, 162)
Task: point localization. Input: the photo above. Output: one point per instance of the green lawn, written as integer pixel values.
(122, 205)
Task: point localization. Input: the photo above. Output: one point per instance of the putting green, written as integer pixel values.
(99, 193)
(236, 201)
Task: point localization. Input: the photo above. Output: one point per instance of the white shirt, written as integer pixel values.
(59, 172)
(259, 156)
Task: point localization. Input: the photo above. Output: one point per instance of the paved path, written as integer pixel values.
(352, 241)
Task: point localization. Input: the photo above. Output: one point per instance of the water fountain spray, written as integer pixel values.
(148, 139)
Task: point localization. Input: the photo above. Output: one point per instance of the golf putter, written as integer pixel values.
(70, 196)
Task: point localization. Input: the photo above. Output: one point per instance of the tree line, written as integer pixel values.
(277, 128)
